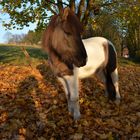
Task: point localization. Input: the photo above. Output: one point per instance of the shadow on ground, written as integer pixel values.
(36, 109)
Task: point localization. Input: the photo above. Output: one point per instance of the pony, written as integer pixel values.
(72, 58)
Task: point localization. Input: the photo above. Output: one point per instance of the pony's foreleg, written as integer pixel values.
(73, 100)
(115, 79)
(70, 84)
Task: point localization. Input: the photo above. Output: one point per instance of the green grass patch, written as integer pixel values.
(124, 61)
(127, 61)
(14, 54)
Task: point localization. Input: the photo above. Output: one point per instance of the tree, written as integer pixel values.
(33, 37)
(128, 23)
(120, 23)
(8, 36)
(133, 30)
(23, 12)
(14, 38)
(106, 26)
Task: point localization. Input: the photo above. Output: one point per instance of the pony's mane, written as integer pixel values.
(48, 33)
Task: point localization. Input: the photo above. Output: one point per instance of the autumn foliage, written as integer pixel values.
(33, 107)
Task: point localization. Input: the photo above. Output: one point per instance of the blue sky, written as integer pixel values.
(3, 30)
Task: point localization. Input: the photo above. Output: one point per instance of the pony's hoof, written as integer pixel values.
(77, 116)
(106, 94)
(71, 110)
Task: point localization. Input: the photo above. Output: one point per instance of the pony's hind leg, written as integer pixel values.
(114, 76)
(101, 76)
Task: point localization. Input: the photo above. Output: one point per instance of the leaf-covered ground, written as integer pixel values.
(33, 107)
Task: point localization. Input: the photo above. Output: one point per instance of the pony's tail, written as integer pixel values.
(110, 86)
(111, 66)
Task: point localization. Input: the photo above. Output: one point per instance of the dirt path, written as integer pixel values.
(34, 107)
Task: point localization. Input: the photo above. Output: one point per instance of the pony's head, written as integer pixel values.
(63, 38)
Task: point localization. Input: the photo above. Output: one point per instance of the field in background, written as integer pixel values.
(11, 54)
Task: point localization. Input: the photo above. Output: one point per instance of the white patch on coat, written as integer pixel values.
(96, 56)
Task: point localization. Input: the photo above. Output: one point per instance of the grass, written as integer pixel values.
(124, 61)
(13, 54)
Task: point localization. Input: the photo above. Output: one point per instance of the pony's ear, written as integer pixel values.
(65, 13)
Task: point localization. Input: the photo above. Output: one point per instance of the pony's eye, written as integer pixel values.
(68, 33)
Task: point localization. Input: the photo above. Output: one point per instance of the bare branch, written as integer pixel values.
(27, 56)
(90, 6)
(60, 5)
(80, 8)
(72, 5)
(48, 6)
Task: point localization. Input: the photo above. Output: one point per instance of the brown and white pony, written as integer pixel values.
(72, 58)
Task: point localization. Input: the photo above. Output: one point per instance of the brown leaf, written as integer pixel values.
(77, 136)
(22, 131)
(3, 117)
(101, 136)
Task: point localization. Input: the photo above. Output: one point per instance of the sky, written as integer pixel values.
(3, 30)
